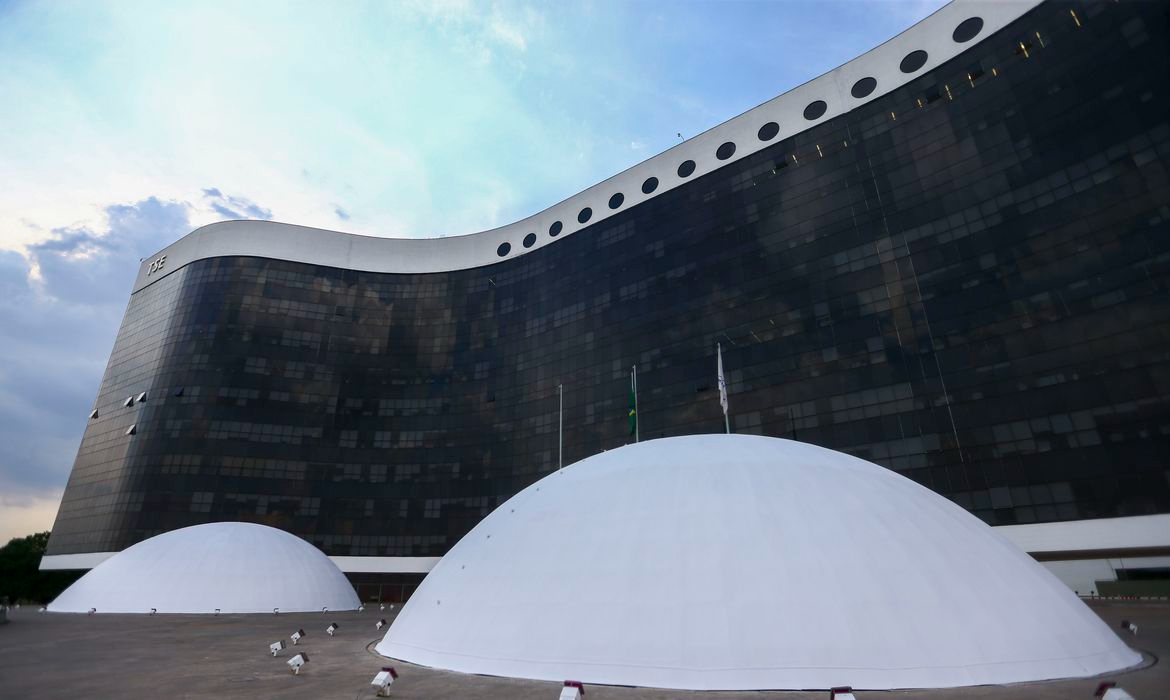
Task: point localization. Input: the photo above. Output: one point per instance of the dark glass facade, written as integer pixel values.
(965, 281)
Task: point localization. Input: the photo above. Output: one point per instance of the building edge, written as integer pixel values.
(1081, 553)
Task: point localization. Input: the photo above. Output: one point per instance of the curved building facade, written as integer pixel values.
(950, 257)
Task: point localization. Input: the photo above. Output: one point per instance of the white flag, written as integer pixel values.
(722, 381)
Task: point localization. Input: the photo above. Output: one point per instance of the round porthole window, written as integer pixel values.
(555, 229)
(815, 110)
(913, 61)
(687, 167)
(863, 88)
(725, 151)
(649, 185)
(967, 30)
(504, 249)
(584, 215)
(616, 200)
(768, 131)
(529, 240)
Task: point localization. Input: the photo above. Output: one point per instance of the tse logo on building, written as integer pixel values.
(156, 265)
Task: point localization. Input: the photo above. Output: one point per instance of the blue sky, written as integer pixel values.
(126, 124)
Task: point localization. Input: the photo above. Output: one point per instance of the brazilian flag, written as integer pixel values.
(633, 408)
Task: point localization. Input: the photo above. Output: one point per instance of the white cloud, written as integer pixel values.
(58, 328)
(506, 31)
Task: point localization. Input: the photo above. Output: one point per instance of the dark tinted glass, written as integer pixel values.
(616, 200)
(555, 229)
(529, 240)
(686, 168)
(768, 131)
(504, 249)
(584, 215)
(971, 293)
(649, 185)
(725, 151)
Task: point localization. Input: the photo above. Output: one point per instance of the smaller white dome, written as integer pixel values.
(232, 567)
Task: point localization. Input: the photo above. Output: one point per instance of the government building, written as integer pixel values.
(949, 256)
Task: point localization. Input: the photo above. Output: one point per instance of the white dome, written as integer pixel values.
(235, 567)
(738, 562)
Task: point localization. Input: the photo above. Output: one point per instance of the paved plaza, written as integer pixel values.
(192, 656)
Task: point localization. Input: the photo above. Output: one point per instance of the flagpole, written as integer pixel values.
(722, 381)
(636, 416)
(561, 427)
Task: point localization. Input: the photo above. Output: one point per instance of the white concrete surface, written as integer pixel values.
(1082, 575)
(232, 567)
(742, 562)
(386, 565)
(1071, 537)
(1141, 531)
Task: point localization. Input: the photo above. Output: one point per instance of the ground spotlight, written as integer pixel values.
(276, 611)
(382, 607)
(297, 661)
(843, 692)
(296, 636)
(276, 646)
(92, 610)
(1129, 626)
(154, 611)
(41, 610)
(380, 624)
(331, 629)
(361, 608)
(217, 611)
(573, 690)
(383, 680)
(1109, 691)
(324, 610)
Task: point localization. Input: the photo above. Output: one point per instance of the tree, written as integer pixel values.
(21, 579)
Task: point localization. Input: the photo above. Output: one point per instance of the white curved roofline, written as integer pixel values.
(420, 255)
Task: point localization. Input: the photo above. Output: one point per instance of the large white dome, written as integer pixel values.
(235, 567)
(741, 562)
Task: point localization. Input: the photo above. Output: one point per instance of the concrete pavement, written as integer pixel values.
(195, 656)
